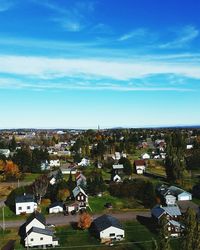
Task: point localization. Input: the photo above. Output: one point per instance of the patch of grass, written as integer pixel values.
(10, 215)
(97, 203)
(30, 177)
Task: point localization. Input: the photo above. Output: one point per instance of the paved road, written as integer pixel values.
(61, 220)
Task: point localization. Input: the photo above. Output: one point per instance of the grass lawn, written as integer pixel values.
(137, 237)
(97, 203)
(9, 235)
(10, 215)
(30, 177)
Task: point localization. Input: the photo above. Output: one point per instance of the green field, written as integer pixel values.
(97, 203)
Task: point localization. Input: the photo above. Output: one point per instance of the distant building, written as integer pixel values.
(25, 204)
(140, 166)
(5, 152)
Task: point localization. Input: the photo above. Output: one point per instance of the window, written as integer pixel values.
(112, 235)
(31, 239)
(78, 198)
(28, 207)
(41, 238)
(169, 228)
(82, 197)
(20, 208)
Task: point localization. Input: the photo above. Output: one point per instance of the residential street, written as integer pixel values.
(60, 219)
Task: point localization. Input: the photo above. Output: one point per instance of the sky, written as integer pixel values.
(112, 63)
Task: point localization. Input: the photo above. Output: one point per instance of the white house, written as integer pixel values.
(107, 228)
(54, 163)
(116, 178)
(44, 166)
(140, 166)
(56, 207)
(25, 204)
(180, 194)
(189, 146)
(36, 219)
(170, 200)
(145, 156)
(37, 233)
(5, 152)
(84, 162)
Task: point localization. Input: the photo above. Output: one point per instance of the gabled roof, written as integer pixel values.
(175, 223)
(56, 204)
(172, 211)
(177, 191)
(105, 221)
(157, 211)
(25, 198)
(36, 215)
(38, 230)
(77, 190)
(139, 162)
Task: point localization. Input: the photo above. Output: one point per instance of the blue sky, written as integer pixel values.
(80, 63)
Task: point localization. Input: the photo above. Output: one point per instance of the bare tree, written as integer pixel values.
(40, 186)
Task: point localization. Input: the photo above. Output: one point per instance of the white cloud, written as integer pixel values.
(138, 33)
(50, 68)
(184, 36)
(10, 83)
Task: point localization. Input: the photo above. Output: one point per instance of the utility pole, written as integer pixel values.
(4, 225)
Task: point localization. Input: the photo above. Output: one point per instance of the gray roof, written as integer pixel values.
(38, 230)
(77, 190)
(106, 221)
(175, 223)
(36, 215)
(170, 210)
(25, 198)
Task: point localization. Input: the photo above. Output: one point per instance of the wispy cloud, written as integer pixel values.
(96, 74)
(184, 37)
(74, 17)
(137, 33)
(11, 83)
(45, 67)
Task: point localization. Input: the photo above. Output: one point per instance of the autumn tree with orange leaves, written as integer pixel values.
(11, 171)
(84, 221)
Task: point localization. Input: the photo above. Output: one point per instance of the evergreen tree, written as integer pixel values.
(190, 230)
(164, 237)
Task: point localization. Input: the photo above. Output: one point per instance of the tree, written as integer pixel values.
(11, 171)
(63, 194)
(13, 144)
(71, 184)
(164, 237)
(85, 220)
(190, 224)
(40, 186)
(127, 165)
(149, 196)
